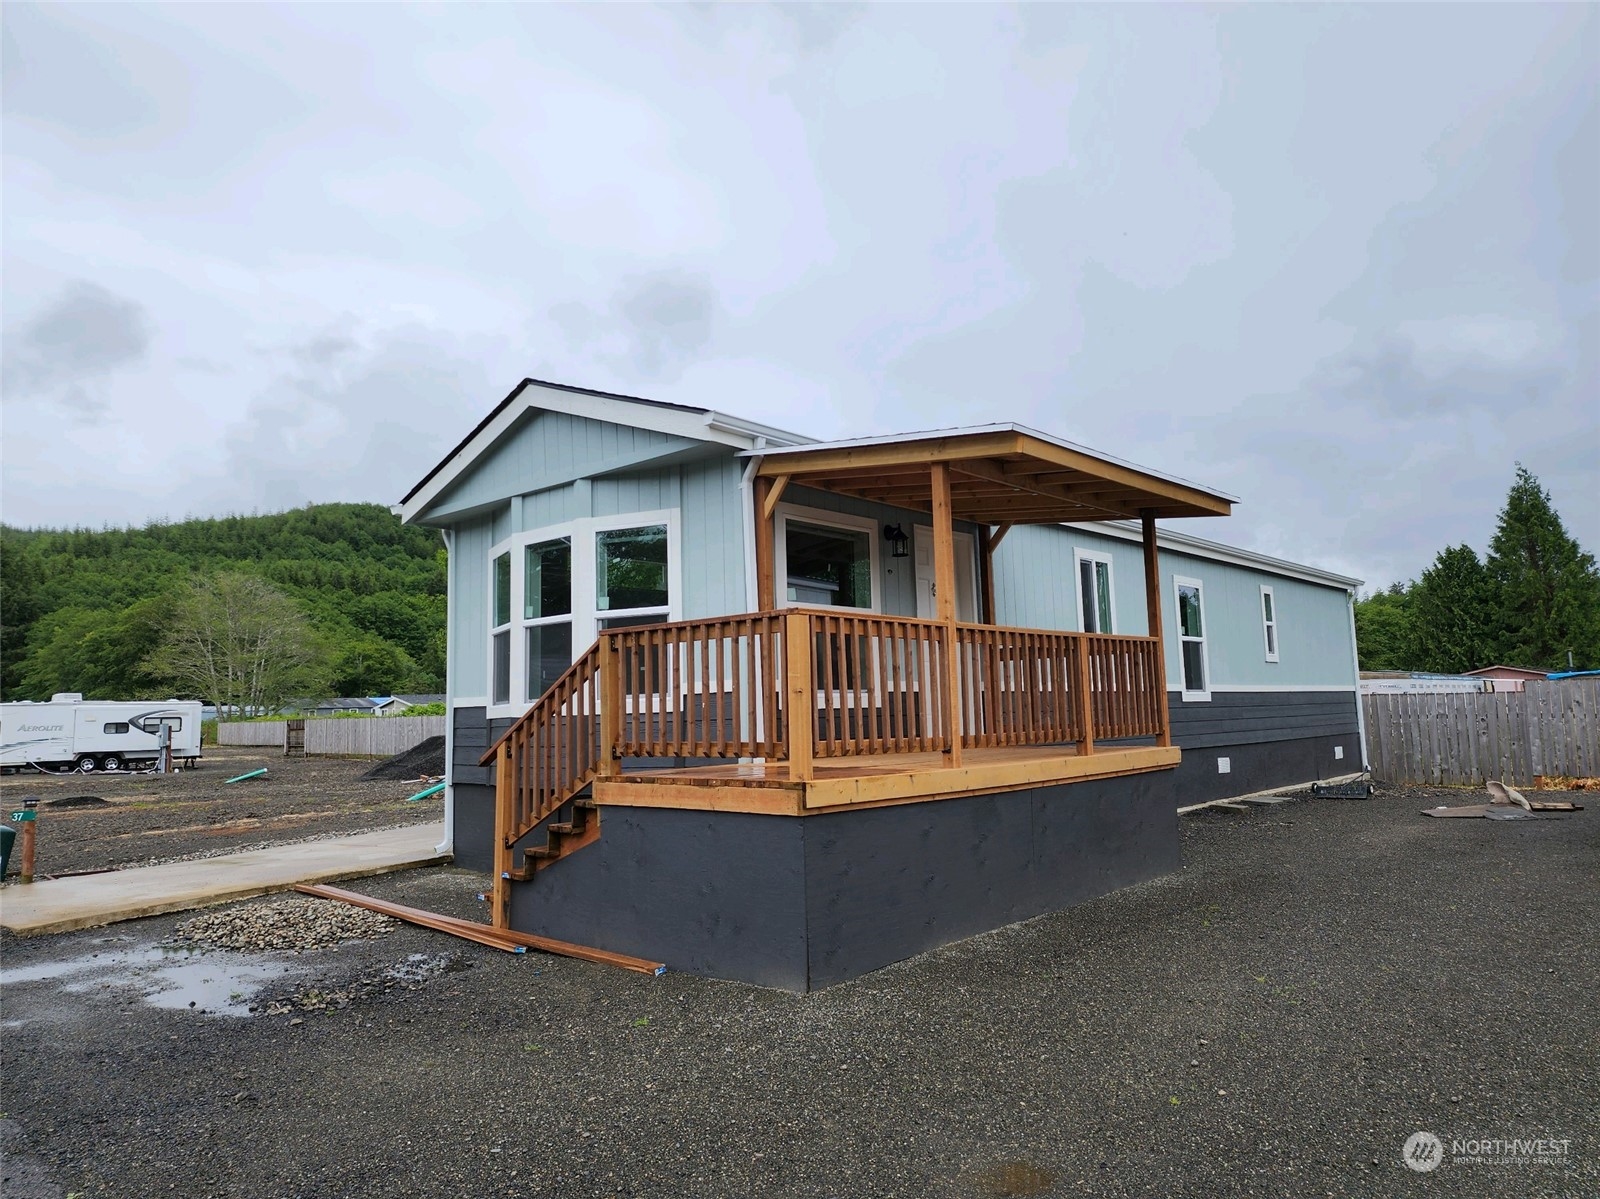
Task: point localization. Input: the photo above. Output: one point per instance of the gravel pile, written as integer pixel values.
(299, 923)
(423, 760)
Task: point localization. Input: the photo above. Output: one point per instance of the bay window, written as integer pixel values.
(574, 581)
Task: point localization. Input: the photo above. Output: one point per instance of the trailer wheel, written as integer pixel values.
(86, 763)
(111, 762)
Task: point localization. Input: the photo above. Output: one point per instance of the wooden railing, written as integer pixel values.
(1127, 686)
(802, 684)
(552, 752)
(701, 688)
(1019, 686)
(881, 684)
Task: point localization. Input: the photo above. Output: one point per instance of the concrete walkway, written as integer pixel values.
(60, 905)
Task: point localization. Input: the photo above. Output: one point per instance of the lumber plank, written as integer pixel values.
(508, 939)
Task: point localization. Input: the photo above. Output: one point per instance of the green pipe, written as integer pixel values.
(433, 790)
(254, 774)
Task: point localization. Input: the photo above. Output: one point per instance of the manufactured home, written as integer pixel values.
(72, 733)
(786, 711)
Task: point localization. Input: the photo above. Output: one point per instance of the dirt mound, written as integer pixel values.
(423, 759)
(75, 801)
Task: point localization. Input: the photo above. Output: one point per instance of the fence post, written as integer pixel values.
(801, 693)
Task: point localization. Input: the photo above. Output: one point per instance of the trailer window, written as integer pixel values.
(114, 726)
(152, 724)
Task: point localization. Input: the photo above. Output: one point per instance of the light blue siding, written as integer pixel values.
(467, 669)
(712, 531)
(547, 449)
(1037, 587)
(1314, 647)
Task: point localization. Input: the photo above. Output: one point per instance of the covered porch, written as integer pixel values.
(804, 710)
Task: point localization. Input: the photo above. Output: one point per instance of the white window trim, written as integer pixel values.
(1079, 556)
(1271, 645)
(585, 616)
(835, 520)
(1179, 582)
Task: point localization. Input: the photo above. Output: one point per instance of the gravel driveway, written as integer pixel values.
(1321, 981)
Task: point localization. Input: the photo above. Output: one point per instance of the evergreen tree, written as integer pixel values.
(1452, 614)
(1383, 629)
(1547, 589)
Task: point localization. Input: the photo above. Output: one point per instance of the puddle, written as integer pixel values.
(177, 979)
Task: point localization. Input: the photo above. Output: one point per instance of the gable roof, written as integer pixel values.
(681, 420)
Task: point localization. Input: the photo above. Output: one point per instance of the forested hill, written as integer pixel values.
(81, 610)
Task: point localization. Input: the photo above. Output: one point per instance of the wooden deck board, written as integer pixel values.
(871, 781)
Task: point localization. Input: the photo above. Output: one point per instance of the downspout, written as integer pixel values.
(1355, 662)
(747, 502)
(448, 845)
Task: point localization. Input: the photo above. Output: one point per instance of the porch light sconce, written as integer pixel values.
(899, 543)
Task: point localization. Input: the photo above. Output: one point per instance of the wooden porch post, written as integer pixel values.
(766, 591)
(1152, 608)
(986, 569)
(944, 588)
(800, 694)
(504, 778)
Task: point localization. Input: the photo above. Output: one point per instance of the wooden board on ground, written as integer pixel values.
(1476, 809)
(1268, 800)
(499, 938)
(1230, 806)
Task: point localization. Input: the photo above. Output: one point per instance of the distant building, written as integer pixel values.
(342, 707)
(396, 705)
(1507, 678)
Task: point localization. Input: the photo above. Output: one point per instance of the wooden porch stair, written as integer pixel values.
(581, 827)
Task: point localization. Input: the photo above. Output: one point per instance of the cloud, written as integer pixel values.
(348, 418)
(67, 351)
(650, 329)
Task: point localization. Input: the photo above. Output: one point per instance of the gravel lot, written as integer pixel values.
(152, 817)
(1321, 981)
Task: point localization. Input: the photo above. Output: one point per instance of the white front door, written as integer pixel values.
(966, 575)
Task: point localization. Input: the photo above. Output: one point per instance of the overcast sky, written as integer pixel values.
(1343, 263)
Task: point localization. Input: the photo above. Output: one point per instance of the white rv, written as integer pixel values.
(71, 732)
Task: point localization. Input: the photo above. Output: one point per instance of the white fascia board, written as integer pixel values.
(691, 424)
(1215, 551)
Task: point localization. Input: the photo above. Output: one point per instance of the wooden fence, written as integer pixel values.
(362, 736)
(1549, 728)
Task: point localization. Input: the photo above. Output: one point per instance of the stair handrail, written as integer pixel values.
(551, 746)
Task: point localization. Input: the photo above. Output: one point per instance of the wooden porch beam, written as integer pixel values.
(999, 534)
(805, 465)
(1022, 482)
(774, 494)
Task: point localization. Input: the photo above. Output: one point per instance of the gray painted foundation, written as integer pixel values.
(806, 902)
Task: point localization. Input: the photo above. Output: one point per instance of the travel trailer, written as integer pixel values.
(72, 733)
